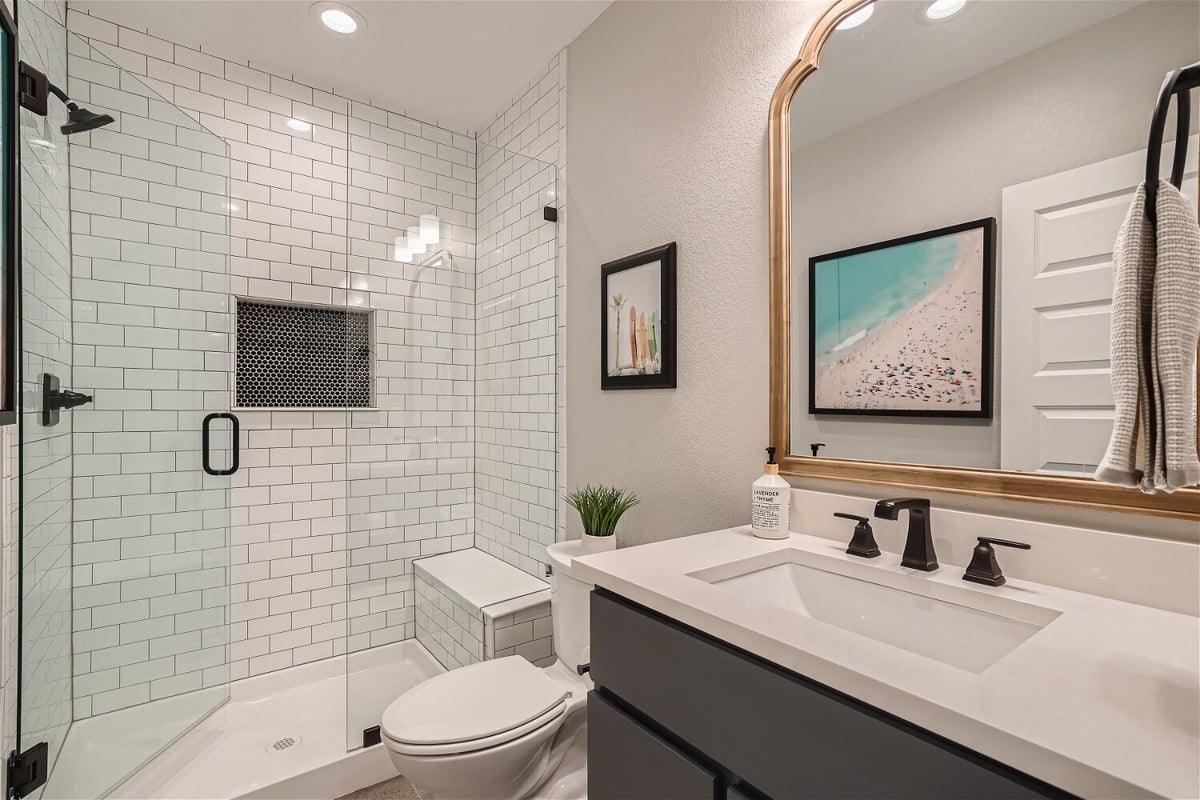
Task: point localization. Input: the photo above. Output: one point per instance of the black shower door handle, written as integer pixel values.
(205, 443)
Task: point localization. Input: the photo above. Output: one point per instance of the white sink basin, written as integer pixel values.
(950, 624)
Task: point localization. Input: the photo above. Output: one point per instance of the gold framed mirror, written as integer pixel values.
(788, 366)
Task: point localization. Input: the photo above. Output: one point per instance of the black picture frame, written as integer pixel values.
(986, 377)
(10, 268)
(665, 256)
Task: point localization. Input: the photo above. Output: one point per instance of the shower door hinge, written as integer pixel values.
(372, 736)
(33, 89)
(27, 771)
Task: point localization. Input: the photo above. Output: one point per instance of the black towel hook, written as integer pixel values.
(1178, 84)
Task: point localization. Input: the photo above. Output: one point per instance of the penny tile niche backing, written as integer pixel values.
(297, 356)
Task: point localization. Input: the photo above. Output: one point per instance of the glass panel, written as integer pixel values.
(515, 359)
(9, 270)
(290, 523)
(126, 562)
(461, 452)
(44, 667)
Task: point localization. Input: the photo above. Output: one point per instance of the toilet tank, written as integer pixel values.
(569, 605)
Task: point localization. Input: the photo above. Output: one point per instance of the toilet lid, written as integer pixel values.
(472, 702)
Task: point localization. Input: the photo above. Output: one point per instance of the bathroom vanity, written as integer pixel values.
(730, 666)
(676, 713)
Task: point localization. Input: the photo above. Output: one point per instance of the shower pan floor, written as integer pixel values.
(281, 735)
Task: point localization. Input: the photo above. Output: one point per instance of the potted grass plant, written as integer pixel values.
(600, 507)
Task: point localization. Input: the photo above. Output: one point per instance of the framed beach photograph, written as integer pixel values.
(637, 330)
(904, 327)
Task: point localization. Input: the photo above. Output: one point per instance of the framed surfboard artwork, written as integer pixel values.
(637, 330)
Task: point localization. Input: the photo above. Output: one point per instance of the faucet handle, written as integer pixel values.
(862, 544)
(983, 567)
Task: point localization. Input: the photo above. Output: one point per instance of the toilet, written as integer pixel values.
(502, 728)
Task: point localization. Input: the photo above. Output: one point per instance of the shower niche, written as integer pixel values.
(299, 356)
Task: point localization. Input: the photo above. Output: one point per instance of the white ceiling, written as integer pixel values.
(897, 56)
(455, 63)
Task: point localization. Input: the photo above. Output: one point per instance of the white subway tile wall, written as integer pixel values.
(515, 359)
(528, 632)
(459, 633)
(46, 337)
(449, 627)
(535, 126)
(151, 318)
(331, 507)
(411, 464)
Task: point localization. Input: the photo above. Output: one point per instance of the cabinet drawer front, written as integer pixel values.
(627, 761)
(786, 736)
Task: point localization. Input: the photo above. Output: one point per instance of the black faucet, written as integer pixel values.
(918, 548)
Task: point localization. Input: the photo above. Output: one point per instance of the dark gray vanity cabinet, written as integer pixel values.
(637, 764)
(678, 714)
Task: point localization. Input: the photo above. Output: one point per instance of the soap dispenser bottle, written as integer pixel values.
(771, 502)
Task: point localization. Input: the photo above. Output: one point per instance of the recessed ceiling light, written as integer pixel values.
(338, 18)
(943, 9)
(299, 125)
(857, 18)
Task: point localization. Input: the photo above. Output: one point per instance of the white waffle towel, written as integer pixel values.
(1155, 326)
(1133, 292)
(1176, 329)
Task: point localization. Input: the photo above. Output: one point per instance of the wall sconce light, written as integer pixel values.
(431, 229)
(403, 253)
(415, 243)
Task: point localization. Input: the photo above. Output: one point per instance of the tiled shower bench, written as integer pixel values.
(472, 607)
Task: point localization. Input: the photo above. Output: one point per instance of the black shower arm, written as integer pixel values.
(59, 93)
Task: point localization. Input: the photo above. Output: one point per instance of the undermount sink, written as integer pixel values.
(953, 625)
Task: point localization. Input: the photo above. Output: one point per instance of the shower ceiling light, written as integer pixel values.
(857, 18)
(944, 9)
(403, 254)
(431, 230)
(415, 244)
(338, 18)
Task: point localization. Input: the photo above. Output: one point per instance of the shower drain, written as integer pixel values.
(279, 745)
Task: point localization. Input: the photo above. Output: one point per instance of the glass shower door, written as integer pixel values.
(125, 517)
(460, 452)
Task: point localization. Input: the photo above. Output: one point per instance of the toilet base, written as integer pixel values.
(559, 772)
(569, 780)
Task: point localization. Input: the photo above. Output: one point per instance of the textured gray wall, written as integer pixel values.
(666, 120)
(666, 113)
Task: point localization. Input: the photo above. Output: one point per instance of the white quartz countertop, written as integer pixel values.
(1104, 701)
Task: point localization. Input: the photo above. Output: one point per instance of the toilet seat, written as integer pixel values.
(473, 708)
(549, 719)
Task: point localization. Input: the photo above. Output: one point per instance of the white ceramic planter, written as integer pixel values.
(598, 544)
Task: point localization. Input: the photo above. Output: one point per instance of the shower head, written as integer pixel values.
(80, 119)
(35, 89)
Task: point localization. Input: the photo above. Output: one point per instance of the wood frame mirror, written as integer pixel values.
(980, 482)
